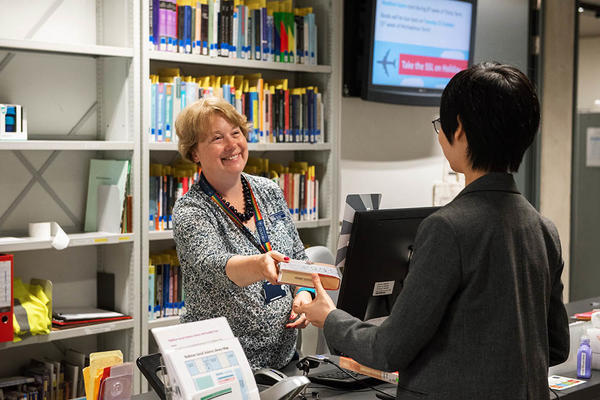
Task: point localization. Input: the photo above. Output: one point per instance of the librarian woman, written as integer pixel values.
(231, 230)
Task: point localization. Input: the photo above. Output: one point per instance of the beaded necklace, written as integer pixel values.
(248, 209)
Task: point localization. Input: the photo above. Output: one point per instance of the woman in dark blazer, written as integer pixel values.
(480, 315)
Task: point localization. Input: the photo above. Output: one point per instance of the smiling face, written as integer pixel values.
(224, 151)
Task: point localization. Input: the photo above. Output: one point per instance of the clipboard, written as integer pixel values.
(6, 298)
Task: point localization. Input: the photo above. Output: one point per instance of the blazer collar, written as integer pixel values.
(494, 182)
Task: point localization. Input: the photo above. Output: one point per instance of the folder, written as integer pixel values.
(6, 298)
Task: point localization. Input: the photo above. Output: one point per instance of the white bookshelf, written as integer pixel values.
(326, 75)
(86, 65)
(67, 49)
(75, 67)
(177, 58)
(71, 333)
(11, 244)
(160, 322)
(91, 145)
(168, 234)
(171, 146)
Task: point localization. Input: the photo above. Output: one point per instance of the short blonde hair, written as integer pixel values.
(194, 122)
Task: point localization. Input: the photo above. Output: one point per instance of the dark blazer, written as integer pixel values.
(481, 314)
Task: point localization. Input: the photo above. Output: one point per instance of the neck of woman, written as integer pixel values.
(229, 188)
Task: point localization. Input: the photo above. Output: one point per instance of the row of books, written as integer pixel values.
(167, 184)
(247, 29)
(166, 297)
(298, 183)
(46, 379)
(276, 113)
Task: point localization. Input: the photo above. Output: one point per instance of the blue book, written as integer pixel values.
(160, 112)
(153, 90)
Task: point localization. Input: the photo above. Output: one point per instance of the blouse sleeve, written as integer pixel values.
(199, 246)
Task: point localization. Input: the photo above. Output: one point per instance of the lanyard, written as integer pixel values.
(265, 244)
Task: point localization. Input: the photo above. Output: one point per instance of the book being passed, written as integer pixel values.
(299, 273)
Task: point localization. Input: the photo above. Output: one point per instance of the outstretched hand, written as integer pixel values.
(267, 265)
(316, 312)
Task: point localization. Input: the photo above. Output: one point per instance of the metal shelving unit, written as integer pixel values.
(75, 68)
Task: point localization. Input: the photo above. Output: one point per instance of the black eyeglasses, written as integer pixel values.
(437, 125)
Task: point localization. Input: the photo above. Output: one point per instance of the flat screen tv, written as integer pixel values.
(415, 47)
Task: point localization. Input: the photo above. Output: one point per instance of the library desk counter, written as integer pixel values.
(590, 390)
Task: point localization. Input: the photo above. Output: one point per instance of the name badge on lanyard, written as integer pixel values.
(272, 292)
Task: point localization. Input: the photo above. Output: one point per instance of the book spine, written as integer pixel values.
(204, 28)
(151, 277)
(162, 24)
(172, 24)
(264, 36)
(160, 112)
(153, 116)
(286, 118)
(257, 35)
(215, 27)
(168, 111)
(198, 28)
(159, 291)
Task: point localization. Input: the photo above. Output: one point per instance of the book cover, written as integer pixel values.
(299, 273)
(348, 363)
(104, 172)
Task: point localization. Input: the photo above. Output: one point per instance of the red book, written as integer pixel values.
(585, 316)
(6, 298)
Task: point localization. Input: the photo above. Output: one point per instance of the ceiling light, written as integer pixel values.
(580, 9)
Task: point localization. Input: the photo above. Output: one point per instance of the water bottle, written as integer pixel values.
(584, 359)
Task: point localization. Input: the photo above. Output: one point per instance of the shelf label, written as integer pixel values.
(101, 240)
(124, 238)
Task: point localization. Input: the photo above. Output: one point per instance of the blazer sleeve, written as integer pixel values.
(433, 278)
(558, 321)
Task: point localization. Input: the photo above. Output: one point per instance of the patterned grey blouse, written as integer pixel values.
(206, 238)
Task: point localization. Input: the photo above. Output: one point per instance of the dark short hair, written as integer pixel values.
(499, 111)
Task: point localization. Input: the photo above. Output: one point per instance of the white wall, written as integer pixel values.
(392, 149)
(588, 84)
(389, 149)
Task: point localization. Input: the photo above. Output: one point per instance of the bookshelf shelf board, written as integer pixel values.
(165, 321)
(168, 234)
(288, 146)
(72, 333)
(66, 145)
(65, 48)
(160, 235)
(257, 146)
(11, 244)
(313, 224)
(236, 62)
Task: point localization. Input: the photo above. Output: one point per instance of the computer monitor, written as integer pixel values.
(377, 260)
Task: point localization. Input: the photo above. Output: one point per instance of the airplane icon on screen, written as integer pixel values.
(384, 61)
